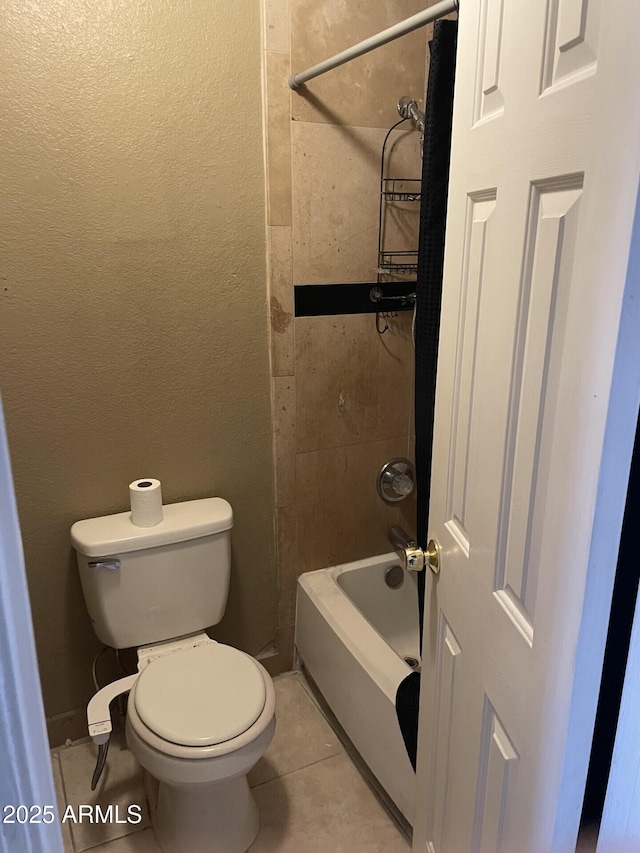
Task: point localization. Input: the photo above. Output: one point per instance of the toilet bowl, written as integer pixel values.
(198, 721)
(200, 714)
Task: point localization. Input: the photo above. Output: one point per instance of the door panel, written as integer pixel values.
(571, 37)
(498, 759)
(489, 98)
(448, 668)
(479, 212)
(547, 267)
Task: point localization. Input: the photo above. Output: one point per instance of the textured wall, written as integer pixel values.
(133, 332)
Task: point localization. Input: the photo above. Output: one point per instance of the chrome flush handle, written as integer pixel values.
(112, 565)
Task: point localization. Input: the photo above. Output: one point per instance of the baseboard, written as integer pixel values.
(278, 658)
(72, 725)
(270, 660)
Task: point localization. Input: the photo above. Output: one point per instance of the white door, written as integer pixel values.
(536, 406)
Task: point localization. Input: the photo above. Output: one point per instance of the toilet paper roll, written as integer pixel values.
(146, 502)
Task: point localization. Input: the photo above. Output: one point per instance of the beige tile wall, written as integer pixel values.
(341, 394)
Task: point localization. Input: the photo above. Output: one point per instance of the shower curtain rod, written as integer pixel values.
(384, 37)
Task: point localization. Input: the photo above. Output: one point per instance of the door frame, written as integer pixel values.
(620, 826)
(23, 735)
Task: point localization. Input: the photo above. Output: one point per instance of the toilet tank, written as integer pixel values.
(147, 584)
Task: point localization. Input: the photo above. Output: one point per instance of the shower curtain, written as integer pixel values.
(433, 214)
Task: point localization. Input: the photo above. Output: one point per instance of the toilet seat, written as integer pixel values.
(152, 743)
(200, 697)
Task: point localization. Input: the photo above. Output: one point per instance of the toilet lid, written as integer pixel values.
(200, 696)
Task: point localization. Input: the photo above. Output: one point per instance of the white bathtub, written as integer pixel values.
(352, 632)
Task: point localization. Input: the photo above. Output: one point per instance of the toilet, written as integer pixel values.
(200, 714)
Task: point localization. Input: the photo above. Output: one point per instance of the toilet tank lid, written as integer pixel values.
(115, 534)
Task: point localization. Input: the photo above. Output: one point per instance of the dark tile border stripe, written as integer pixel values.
(316, 300)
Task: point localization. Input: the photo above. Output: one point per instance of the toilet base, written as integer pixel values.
(218, 818)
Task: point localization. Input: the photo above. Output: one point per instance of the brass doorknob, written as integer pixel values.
(433, 556)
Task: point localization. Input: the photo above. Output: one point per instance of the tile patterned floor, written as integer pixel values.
(311, 797)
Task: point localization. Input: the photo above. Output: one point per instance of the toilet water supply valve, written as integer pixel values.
(99, 719)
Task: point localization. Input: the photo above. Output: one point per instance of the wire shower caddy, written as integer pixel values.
(394, 262)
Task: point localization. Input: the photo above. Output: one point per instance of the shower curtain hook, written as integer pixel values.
(378, 329)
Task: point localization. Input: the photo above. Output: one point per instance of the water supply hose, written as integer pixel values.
(99, 719)
(103, 749)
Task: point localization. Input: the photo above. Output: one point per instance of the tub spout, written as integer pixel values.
(407, 549)
(400, 540)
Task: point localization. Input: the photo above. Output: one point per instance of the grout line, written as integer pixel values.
(381, 128)
(74, 842)
(405, 436)
(354, 756)
(64, 790)
(300, 769)
(297, 675)
(65, 798)
(282, 675)
(103, 844)
(63, 747)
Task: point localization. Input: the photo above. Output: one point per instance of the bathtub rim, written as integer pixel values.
(363, 639)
